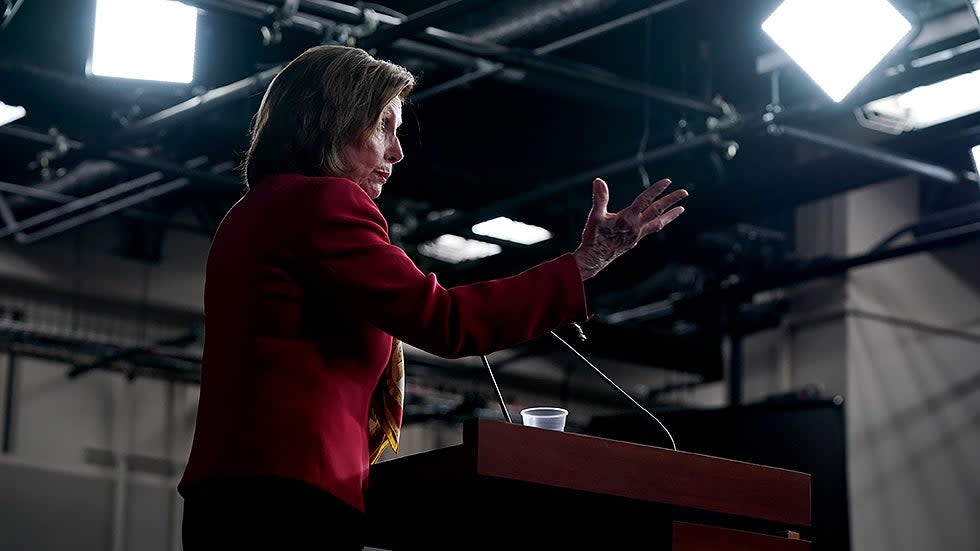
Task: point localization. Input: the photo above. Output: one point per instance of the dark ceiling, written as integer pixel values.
(523, 142)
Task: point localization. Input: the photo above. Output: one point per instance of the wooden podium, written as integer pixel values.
(508, 486)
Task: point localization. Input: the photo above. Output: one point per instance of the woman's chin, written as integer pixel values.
(373, 189)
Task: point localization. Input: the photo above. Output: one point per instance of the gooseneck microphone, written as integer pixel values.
(610, 381)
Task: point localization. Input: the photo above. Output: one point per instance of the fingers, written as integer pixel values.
(649, 195)
(661, 205)
(661, 221)
(600, 197)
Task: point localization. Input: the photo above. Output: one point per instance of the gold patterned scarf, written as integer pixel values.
(385, 414)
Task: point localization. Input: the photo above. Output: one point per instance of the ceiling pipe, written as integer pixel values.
(87, 177)
(588, 34)
(268, 13)
(194, 106)
(54, 213)
(438, 39)
(577, 72)
(107, 208)
(517, 58)
(868, 153)
(8, 13)
(793, 275)
(211, 182)
(417, 22)
(258, 82)
(512, 21)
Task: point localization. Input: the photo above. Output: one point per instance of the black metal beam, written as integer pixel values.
(528, 60)
(120, 354)
(60, 198)
(9, 12)
(258, 82)
(734, 368)
(872, 154)
(214, 182)
(197, 105)
(267, 13)
(8, 403)
(518, 58)
(551, 47)
(247, 86)
(417, 22)
(796, 274)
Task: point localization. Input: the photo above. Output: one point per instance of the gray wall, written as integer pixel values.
(913, 385)
(52, 510)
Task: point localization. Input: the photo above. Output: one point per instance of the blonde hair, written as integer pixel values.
(326, 98)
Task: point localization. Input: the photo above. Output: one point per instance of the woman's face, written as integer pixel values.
(371, 159)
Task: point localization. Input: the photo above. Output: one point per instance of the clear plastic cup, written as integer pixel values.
(544, 417)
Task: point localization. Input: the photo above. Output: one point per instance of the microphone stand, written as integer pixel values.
(500, 397)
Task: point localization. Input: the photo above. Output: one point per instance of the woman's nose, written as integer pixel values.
(394, 153)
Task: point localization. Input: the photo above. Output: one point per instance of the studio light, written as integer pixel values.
(455, 249)
(976, 157)
(10, 113)
(145, 40)
(924, 106)
(837, 42)
(511, 230)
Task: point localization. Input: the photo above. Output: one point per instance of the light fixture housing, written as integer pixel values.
(455, 249)
(510, 230)
(924, 106)
(10, 113)
(144, 40)
(837, 42)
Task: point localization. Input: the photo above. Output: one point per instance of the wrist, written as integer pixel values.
(587, 267)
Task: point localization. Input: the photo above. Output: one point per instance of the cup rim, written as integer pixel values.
(553, 411)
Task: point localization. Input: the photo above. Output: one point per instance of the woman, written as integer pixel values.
(306, 302)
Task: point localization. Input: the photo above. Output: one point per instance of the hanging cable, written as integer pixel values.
(642, 147)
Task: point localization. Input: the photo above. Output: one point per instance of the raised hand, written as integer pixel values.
(608, 235)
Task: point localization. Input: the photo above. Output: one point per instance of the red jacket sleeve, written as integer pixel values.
(357, 264)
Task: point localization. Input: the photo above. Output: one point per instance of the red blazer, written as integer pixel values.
(303, 292)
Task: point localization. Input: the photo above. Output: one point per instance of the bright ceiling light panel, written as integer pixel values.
(976, 157)
(455, 249)
(145, 40)
(927, 105)
(837, 42)
(511, 230)
(10, 113)
(976, 8)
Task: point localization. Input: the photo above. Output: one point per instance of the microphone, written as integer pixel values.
(581, 337)
(500, 397)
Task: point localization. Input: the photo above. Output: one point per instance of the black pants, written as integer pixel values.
(267, 513)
